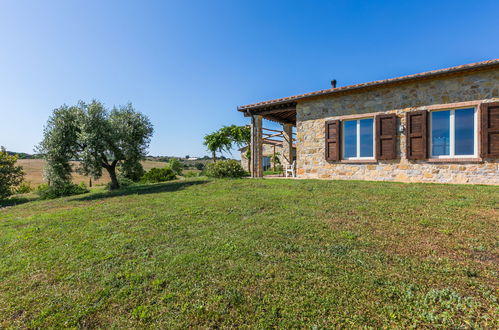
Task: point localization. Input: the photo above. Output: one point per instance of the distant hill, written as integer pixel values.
(23, 155)
(34, 166)
(186, 160)
(34, 169)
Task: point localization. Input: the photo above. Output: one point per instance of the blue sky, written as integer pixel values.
(189, 64)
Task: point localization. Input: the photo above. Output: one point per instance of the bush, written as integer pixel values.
(225, 169)
(45, 191)
(191, 174)
(124, 182)
(176, 166)
(11, 175)
(23, 188)
(131, 170)
(199, 166)
(159, 175)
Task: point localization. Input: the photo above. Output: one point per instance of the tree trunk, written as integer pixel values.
(213, 154)
(111, 169)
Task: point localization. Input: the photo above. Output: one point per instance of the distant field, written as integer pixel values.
(34, 171)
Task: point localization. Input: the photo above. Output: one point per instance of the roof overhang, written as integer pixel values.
(281, 112)
(284, 109)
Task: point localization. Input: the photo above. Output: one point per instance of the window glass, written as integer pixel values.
(465, 132)
(266, 163)
(440, 133)
(350, 139)
(366, 137)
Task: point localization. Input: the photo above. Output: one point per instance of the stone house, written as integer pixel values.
(436, 126)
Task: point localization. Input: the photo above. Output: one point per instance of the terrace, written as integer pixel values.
(284, 114)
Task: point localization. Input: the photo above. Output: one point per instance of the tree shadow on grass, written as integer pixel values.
(13, 201)
(143, 189)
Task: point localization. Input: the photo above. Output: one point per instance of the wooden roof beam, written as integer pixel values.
(273, 109)
(272, 130)
(279, 120)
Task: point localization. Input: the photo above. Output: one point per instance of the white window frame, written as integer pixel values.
(452, 135)
(357, 156)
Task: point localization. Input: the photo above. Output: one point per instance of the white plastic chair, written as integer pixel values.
(290, 169)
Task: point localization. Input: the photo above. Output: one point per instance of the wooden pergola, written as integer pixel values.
(276, 138)
(273, 136)
(284, 113)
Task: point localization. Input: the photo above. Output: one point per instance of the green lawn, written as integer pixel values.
(254, 253)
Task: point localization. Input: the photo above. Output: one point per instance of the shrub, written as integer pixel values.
(159, 175)
(45, 191)
(199, 166)
(191, 174)
(225, 169)
(176, 166)
(124, 182)
(131, 170)
(11, 175)
(23, 188)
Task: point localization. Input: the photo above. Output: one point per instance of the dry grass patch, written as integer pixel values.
(34, 171)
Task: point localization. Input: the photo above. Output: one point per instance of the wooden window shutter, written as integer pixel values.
(416, 134)
(333, 140)
(489, 130)
(386, 136)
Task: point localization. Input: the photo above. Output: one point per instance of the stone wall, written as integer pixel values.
(312, 114)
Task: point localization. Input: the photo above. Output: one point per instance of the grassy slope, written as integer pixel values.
(264, 253)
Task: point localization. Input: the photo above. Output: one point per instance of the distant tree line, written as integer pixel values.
(23, 155)
(189, 160)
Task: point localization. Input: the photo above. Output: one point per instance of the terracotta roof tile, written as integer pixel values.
(455, 69)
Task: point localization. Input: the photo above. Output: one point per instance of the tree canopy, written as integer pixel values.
(217, 142)
(239, 135)
(10, 174)
(98, 138)
(224, 139)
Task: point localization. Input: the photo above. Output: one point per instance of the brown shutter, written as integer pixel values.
(417, 126)
(333, 140)
(386, 136)
(489, 127)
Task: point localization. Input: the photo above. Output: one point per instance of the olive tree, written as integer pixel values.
(98, 138)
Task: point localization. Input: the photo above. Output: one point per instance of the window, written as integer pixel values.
(453, 133)
(266, 163)
(358, 139)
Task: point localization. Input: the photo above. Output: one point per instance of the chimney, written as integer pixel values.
(333, 83)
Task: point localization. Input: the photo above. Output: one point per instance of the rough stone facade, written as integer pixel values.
(467, 89)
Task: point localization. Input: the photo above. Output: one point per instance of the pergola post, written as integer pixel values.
(287, 144)
(256, 147)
